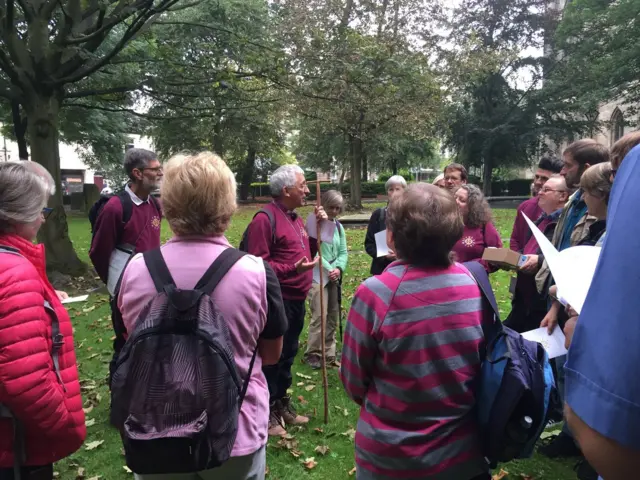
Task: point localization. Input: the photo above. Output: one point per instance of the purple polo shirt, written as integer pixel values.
(520, 232)
(291, 244)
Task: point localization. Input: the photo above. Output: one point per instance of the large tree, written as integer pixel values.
(49, 52)
(358, 72)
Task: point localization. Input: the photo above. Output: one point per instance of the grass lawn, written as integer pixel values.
(102, 456)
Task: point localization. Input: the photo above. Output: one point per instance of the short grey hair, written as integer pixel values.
(137, 158)
(285, 176)
(25, 189)
(395, 180)
(332, 198)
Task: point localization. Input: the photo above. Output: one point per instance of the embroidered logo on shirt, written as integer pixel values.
(468, 241)
(155, 223)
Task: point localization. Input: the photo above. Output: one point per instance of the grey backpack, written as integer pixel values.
(176, 393)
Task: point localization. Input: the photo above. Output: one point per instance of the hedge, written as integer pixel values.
(511, 188)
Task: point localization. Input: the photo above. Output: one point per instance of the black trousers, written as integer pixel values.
(279, 375)
(44, 472)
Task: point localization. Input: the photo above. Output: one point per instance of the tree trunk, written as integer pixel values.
(486, 177)
(365, 167)
(394, 166)
(355, 151)
(217, 139)
(20, 130)
(42, 128)
(247, 171)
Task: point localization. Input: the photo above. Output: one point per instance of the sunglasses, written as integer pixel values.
(46, 211)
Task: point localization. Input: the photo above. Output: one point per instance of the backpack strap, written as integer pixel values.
(57, 341)
(127, 205)
(272, 221)
(218, 269)
(158, 269)
(246, 382)
(482, 279)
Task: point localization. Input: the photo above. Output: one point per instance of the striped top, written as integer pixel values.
(410, 357)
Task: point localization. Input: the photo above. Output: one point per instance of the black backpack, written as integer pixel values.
(127, 208)
(272, 220)
(176, 393)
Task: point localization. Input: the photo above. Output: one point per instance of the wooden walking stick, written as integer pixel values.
(325, 381)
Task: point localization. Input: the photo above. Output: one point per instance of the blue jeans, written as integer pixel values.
(560, 361)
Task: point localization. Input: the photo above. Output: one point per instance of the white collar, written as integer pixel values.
(136, 200)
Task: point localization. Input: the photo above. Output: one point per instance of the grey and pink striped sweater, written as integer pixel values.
(410, 358)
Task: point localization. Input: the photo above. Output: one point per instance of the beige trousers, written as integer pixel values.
(332, 312)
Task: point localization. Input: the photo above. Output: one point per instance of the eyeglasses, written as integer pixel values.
(547, 190)
(46, 211)
(154, 169)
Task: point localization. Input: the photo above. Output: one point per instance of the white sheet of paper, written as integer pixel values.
(118, 261)
(381, 243)
(316, 275)
(81, 298)
(572, 269)
(553, 344)
(327, 228)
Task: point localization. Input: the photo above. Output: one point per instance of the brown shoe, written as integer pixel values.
(276, 428)
(289, 414)
(314, 361)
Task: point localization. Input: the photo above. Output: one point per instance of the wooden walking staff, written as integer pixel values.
(325, 381)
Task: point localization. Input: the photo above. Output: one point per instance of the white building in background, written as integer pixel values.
(74, 172)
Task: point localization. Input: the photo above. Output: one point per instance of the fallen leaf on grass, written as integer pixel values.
(310, 463)
(351, 433)
(302, 375)
(500, 475)
(88, 409)
(80, 474)
(352, 472)
(90, 422)
(345, 412)
(300, 384)
(308, 388)
(266, 470)
(90, 309)
(97, 477)
(94, 355)
(289, 391)
(127, 469)
(318, 430)
(322, 449)
(93, 445)
(302, 400)
(56, 474)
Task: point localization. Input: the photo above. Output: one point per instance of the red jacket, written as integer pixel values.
(52, 418)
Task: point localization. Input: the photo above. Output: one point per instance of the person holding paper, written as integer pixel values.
(573, 226)
(547, 167)
(291, 253)
(528, 306)
(377, 223)
(479, 232)
(411, 351)
(40, 402)
(334, 263)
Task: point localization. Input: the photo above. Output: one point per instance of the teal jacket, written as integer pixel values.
(334, 254)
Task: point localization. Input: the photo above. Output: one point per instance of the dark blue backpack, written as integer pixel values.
(515, 384)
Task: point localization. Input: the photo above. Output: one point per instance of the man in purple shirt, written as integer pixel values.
(291, 254)
(547, 166)
(140, 232)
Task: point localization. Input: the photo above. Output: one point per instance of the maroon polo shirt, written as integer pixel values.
(291, 244)
(520, 233)
(142, 230)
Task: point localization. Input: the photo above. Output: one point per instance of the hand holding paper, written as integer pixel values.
(327, 228)
(572, 269)
(553, 344)
(381, 244)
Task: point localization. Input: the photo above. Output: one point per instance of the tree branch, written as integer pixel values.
(103, 91)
